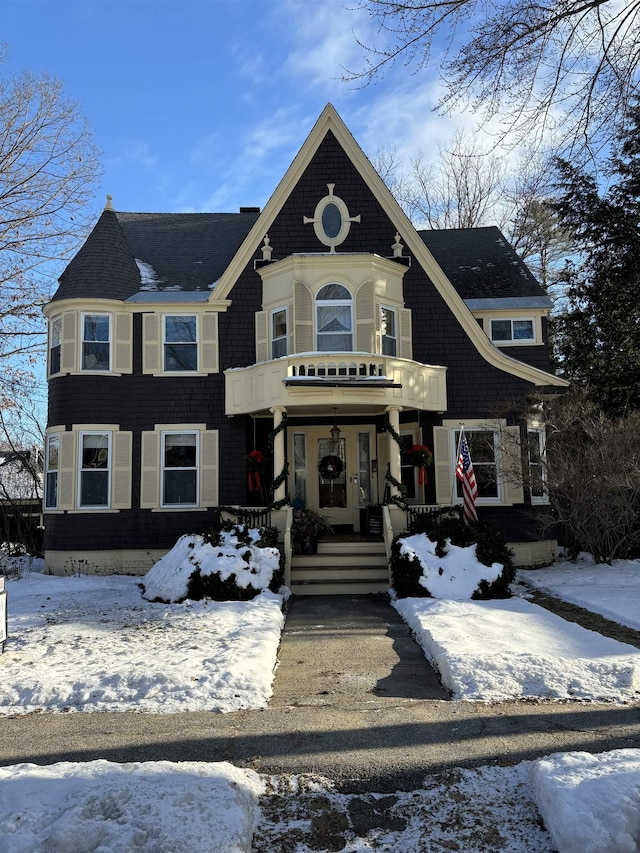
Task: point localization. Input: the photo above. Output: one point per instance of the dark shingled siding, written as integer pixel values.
(137, 402)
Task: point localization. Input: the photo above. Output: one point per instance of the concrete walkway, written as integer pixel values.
(354, 700)
(350, 653)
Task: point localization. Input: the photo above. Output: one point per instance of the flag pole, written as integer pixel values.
(453, 484)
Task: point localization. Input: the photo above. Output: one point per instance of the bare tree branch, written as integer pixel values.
(563, 66)
(48, 173)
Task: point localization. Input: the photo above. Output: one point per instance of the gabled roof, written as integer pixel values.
(481, 264)
(203, 249)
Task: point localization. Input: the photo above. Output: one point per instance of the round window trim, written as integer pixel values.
(331, 237)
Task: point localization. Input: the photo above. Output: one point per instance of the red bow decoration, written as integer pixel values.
(421, 457)
(256, 463)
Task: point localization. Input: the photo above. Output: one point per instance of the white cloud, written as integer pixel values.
(127, 152)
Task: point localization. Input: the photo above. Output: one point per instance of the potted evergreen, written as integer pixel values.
(308, 525)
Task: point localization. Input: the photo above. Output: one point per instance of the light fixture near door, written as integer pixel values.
(335, 429)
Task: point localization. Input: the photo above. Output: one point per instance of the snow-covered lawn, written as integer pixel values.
(93, 643)
(612, 591)
(512, 649)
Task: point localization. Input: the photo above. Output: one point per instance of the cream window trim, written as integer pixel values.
(164, 436)
(153, 333)
(54, 341)
(82, 470)
(52, 438)
(108, 342)
(152, 467)
(508, 460)
(70, 467)
(163, 331)
(281, 338)
(536, 325)
(120, 342)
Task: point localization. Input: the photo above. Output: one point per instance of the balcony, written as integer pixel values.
(359, 382)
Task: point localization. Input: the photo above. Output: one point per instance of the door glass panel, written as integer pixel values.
(299, 467)
(364, 469)
(332, 492)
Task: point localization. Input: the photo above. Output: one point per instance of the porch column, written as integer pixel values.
(278, 452)
(394, 449)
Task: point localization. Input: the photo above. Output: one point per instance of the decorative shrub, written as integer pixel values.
(444, 527)
(406, 572)
(235, 564)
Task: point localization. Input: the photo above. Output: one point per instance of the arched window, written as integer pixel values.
(334, 319)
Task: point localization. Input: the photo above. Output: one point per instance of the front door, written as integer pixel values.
(334, 478)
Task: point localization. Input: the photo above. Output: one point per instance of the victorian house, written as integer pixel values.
(323, 327)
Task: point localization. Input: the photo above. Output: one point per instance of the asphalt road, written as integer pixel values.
(354, 701)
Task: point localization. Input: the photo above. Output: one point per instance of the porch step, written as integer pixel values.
(341, 568)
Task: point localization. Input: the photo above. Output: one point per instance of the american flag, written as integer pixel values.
(464, 472)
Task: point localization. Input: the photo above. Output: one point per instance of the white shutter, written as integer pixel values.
(303, 318)
(150, 471)
(365, 328)
(209, 343)
(442, 465)
(511, 454)
(67, 471)
(150, 343)
(209, 490)
(122, 359)
(121, 470)
(406, 349)
(262, 337)
(68, 348)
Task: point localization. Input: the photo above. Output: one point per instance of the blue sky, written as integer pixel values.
(200, 105)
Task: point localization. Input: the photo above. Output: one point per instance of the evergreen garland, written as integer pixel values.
(398, 500)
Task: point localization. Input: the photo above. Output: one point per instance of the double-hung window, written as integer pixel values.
(94, 470)
(180, 469)
(278, 332)
(334, 319)
(55, 345)
(484, 458)
(388, 330)
(512, 331)
(96, 342)
(51, 471)
(180, 343)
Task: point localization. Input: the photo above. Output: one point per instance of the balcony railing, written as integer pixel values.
(315, 381)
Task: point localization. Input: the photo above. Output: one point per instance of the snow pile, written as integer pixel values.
(612, 591)
(93, 643)
(510, 649)
(456, 575)
(590, 803)
(98, 805)
(18, 565)
(168, 579)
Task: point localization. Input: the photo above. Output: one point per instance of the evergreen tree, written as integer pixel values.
(598, 337)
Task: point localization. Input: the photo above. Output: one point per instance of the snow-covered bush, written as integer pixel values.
(230, 565)
(17, 565)
(423, 567)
